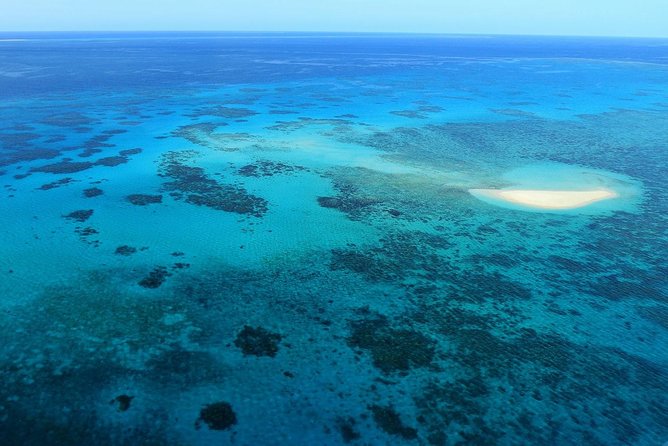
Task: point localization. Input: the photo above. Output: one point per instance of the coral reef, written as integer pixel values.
(217, 416)
(257, 341)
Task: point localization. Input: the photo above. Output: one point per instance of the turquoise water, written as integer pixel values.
(269, 239)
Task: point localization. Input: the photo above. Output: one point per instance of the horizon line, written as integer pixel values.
(407, 33)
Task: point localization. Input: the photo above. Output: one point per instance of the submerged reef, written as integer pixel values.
(9, 156)
(346, 426)
(194, 186)
(92, 192)
(414, 114)
(350, 201)
(68, 119)
(180, 368)
(111, 161)
(125, 250)
(398, 255)
(144, 199)
(65, 166)
(79, 216)
(389, 421)
(95, 145)
(128, 152)
(85, 233)
(217, 416)
(392, 349)
(500, 367)
(205, 135)
(339, 125)
(155, 278)
(257, 341)
(122, 402)
(122, 158)
(264, 168)
(550, 371)
(57, 183)
(223, 112)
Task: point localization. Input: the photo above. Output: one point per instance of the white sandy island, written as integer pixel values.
(547, 199)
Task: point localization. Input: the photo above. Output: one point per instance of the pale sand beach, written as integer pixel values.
(547, 199)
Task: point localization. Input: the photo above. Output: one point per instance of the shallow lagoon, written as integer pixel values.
(270, 240)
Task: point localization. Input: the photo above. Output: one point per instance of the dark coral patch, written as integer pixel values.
(128, 152)
(195, 187)
(346, 204)
(282, 112)
(8, 157)
(230, 199)
(92, 192)
(125, 250)
(97, 142)
(55, 139)
(144, 199)
(184, 368)
(55, 184)
(367, 264)
(288, 126)
(392, 349)
(80, 215)
(349, 201)
(191, 131)
(111, 161)
(65, 166)
(414, 114)
(217, 416)
(115, 132)
(85, 234)
(347, 429)
(204, 134)
(155, 278)
(388, 420)
(22, 139)
(264, 168)
(258, 341)
(223, 112)
(513, 112)
(430, 108)
(612, 287)
(88, 152)
(400, 255)
(122, 402)
(71, 119)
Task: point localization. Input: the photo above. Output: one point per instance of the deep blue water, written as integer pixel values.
(260, 239)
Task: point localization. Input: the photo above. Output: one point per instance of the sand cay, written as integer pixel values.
(547, 199)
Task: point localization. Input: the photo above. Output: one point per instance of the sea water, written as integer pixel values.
(268, 239)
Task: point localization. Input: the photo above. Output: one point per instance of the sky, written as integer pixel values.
(642, 18)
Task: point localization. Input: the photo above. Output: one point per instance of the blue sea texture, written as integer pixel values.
(269, 239)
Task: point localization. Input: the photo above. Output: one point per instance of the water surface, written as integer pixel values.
(268, 239)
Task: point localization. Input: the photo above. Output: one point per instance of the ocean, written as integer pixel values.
(276, 239)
